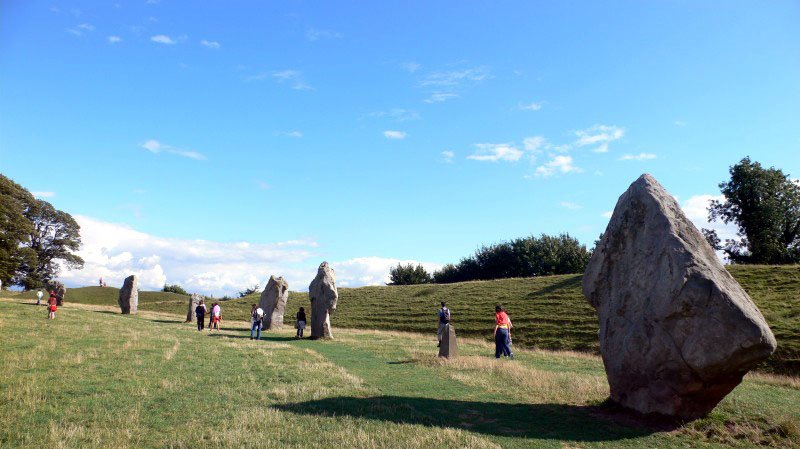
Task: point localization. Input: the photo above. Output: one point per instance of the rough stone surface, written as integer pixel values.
(273, 302)
(129, 295)
(194, 300)
(61, 291)
(449, 346)
(323, 295)
(677, 332)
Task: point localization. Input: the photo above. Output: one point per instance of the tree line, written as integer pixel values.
(36, 239)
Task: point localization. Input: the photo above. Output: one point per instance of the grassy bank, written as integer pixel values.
(94, 378)
(548, 312)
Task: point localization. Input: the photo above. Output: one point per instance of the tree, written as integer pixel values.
(408, 275)
(14, 228)
(174, 288)
(249, 291)
(54, 237)
(765, 205)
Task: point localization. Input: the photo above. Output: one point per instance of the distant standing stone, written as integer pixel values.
(194, 300)
(449, 346)
(61, 291)
(273, 302)
(129, 295)
(323, 295)
(677, 332)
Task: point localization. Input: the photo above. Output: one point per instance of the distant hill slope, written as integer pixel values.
(548, 312)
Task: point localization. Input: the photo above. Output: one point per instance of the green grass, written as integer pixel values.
(94, 378)
(548, 312)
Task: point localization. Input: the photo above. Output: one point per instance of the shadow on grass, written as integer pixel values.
(574, 282)
(541, 421)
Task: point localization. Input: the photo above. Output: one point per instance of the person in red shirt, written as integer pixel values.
(51, 306)
(502, 333)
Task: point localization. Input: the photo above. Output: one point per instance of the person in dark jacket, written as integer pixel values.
(200, 313)
(300, 323)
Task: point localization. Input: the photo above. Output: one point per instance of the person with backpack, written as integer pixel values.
(51, 306)
(257, 317)
(300, 322)
(444, 320)
(502, 333)
(200, 313)
(216, 316)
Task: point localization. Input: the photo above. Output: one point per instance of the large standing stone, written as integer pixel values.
(61, 291)
(323, 295)
(449, 347)
(129, 295)
(194, 300)
(273, 302)
(677, 332)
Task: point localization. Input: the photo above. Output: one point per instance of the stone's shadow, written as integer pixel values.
(540, 421)
(108, 312)
(560, 285)
(168, 321)
(403, 362)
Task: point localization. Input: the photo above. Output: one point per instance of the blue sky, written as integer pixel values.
(365, 133)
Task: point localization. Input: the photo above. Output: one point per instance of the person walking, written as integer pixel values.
(257, 318)
(51, 306)
(300, 322)
(200, 313)
(502, 333)
(444, 320)
(39, 297)
(216, 316)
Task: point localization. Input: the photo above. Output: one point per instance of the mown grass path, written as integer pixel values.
(94, 378)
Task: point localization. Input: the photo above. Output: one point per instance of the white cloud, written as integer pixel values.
(448, 156)
(391, 134)
(696, 210)
(411, 66)
(79, 30)
(114, 39)
(114, 251)
(371, 270)
(440, 97)
(163, 39)
(314, 34)
(680, 123)
(558, 164)
(607, 214)
(288, 76)
(600, 135)
(296, 134)
(570, 206)
(637, 157)
(494, 152)
(454, 78)
(44, 194)
(156, 147)
(397, 114)
(535, 106)
(210, 44)
(263, 185)
(534, 143)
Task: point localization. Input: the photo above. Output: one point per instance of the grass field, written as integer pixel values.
(548, 312)
(94, 378)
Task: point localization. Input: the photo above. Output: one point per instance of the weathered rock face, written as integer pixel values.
(677, 332)
(194, 300)
(273, 302)
(129, 295)
(61, 291)
(323, 295)
(449, 347)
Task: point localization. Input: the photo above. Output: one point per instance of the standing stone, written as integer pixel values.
(194, 300)
(129, 295)
(677, 332)
(449, 346)
(61, 291)
(273, 302)
(323, 295)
